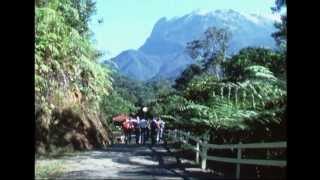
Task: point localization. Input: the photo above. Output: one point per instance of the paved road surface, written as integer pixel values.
(133, 162)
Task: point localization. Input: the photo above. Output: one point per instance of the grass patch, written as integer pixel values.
(45, 170)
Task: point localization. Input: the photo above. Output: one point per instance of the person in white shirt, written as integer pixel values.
(160, 130)
(161, 125)
(143, 128)
(136, 128)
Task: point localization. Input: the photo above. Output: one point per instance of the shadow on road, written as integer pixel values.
(167, 164)
(132, 161)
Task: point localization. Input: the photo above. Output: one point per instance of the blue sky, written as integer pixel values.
(128, 23)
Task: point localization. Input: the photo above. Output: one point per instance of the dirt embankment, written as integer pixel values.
(70, 129)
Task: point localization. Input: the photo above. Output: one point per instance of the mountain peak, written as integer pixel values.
(163, 52)
(230, 13)
(206, 12)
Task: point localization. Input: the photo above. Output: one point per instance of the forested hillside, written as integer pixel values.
(69, 83)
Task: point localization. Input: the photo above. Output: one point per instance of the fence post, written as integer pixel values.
(175, 135)
(188, 137)
(204, 153)
(178, 136)
(238, 164)
(197, 152)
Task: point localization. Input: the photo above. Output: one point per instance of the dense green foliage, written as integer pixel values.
(65, 59)
(235, 67)
(247, 104)
(186, 76)
(135, 91)
(67, 75)
(129, 96)
(122, 100)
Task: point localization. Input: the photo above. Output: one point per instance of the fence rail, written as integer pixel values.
(202, 148)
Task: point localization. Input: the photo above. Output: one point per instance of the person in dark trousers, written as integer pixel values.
(143, 128)
(154, 130)
(136, 129)
(147, 130)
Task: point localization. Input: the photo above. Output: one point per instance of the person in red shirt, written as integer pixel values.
(127, 127)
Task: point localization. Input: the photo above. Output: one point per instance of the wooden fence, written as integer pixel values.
(202, 148)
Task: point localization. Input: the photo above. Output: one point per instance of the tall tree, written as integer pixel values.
(279, 4)
(86, 9)
(210, 50)
(280, 36)
(235, 68)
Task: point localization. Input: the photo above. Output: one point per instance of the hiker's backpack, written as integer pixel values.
(154, 125)
(135, 124)
(127, 125)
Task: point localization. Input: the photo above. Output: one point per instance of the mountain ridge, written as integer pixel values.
(163, 53)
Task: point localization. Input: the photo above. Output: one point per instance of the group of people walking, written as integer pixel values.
(143, 130)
